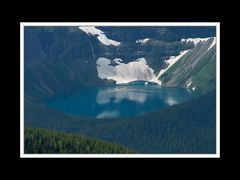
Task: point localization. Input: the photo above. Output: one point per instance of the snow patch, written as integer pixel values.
(118, 60)
(171, 61)
(189, 84)
(100, 35)
(194, 40)
(91, 30)
(137, 70)
(142, 41)
(103, 39)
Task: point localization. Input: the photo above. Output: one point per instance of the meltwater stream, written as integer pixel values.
(120, 101)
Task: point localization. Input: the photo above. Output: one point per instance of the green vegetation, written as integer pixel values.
(205, 79)
(37, 141)
(184, 128)
(168, 75)
(197, 66)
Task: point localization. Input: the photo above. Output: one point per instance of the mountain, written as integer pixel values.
(43, 141)
(62, 59)
(57, 59)
(196, 69)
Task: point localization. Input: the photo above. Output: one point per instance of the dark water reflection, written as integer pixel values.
(120, 101)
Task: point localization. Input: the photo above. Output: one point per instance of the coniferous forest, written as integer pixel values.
(193, 123)
(43, 141)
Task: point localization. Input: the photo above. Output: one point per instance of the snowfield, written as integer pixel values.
(100, 35)
(137, 70)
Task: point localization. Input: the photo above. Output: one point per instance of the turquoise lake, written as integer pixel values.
(120, 100)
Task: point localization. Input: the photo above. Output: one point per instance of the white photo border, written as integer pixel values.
(215, 24)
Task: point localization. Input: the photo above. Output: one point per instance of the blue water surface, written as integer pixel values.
(120, 100)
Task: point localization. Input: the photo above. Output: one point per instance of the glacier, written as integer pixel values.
(100, 35)
(122, 73)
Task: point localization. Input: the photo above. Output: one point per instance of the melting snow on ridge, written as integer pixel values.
(194, 40)
(100, 35)
(213, 43)
(171, 61)
(125, 73)
(197, 40)
(142, 41)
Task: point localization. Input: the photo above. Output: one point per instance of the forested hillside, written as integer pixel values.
(184, 128)
(43, 141)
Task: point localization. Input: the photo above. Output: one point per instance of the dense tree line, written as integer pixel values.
(188, 127)
(53, 142)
